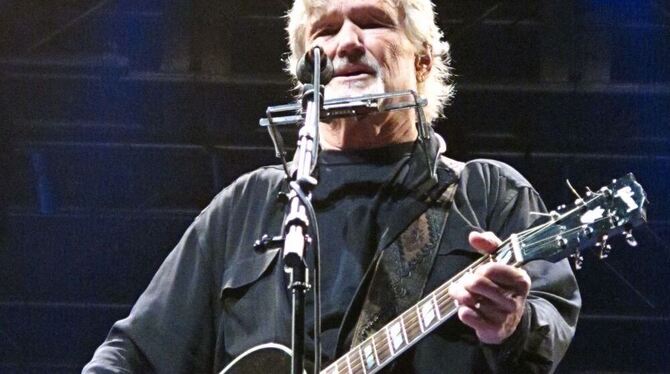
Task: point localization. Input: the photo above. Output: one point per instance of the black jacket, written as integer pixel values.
(214, 297)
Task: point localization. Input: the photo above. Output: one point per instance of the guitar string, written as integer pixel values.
(548, 241)
(410, 318)
(411, 324)
(576, 209)
(412, 327)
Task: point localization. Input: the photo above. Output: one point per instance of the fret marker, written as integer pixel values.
(395, 331)
(369, 356)
(427, 314)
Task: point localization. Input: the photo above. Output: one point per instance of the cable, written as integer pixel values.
(317, 271)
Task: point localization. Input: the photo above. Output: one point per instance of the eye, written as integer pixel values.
(373, 24)
(325, 31)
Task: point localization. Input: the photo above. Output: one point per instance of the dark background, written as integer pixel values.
(121, 119)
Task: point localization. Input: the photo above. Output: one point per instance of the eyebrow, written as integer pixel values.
(356, 13)
(377, 13)
(381, 14)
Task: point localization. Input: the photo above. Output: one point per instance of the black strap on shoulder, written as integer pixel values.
(402, 269)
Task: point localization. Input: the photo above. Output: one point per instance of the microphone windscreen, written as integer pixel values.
(305, 69)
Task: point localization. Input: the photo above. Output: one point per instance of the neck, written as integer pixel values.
(372, 131)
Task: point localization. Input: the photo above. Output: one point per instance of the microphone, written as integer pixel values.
(305, 70)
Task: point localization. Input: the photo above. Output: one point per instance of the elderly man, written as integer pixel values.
(390, 232)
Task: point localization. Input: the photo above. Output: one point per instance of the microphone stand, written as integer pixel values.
(300, 217)
(297, 220)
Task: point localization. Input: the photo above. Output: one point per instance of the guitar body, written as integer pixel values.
(261, 359)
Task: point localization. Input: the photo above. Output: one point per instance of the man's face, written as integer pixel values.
(367, 43)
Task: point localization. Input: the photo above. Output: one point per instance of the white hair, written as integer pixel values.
(421, 30)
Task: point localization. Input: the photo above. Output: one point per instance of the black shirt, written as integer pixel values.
(351, 186)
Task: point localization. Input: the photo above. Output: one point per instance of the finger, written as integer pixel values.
(494, 311)
(487, 332)
(485, 289)
(491, 313)
(510, 279)
(472, 318)
(485, 242)
(461, 295)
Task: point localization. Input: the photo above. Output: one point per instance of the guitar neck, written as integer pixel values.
(612, 210)
(404, 331)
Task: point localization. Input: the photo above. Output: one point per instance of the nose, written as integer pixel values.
(349, 41)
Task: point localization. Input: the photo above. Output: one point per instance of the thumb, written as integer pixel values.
(485, 242)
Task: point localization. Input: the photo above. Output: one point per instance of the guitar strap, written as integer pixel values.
(402, 269)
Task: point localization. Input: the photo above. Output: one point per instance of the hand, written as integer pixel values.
(492, 299)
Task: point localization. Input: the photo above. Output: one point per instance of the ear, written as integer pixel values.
(423, 63)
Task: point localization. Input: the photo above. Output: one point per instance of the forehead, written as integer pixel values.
(347, 8)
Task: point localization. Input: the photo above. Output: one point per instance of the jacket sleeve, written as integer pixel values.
(169, 329)
(552, 307)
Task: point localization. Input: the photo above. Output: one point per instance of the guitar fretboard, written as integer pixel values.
(411, 326)
(610, 211)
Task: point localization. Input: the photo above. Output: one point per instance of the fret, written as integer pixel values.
(332, 368)
(348, 362)
(356, 362)
(438, 312)
(403, 329)
(394, 332)
(446, 307)
(516, 248)
(410, 325)
(505, 257)
(360, 355)
(369, 355)
(374, 349)
(389, 342)
(417, 311)
(428, 316)
(383, 351)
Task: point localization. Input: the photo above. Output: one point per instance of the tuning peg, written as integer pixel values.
(607, 193)
(603, 241)
(578, 259)
(605, 251)
(604, 247)
(588, 232)
(630, 239)
(562, 242)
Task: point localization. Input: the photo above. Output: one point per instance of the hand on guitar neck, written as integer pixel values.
(492, 298)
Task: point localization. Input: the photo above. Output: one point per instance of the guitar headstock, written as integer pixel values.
(614, 209)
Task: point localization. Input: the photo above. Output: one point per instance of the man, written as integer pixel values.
(214, 297)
